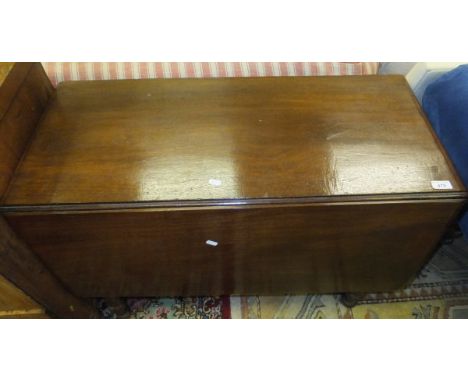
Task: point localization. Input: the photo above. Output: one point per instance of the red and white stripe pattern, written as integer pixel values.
(73, 71)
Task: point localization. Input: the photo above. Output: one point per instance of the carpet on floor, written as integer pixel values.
(439, 291)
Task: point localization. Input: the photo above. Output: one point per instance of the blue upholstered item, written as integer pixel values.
(445, 102)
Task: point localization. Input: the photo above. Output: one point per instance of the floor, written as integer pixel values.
(439, 291)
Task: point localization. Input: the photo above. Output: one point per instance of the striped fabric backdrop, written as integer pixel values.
(66, 71)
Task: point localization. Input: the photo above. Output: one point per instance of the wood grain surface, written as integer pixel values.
(5, 68)
(16, 304)
(237, 138)
(345, 247)
(24, 269)
(24, 93)
(218, 186)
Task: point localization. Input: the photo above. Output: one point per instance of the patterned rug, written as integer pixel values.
(439, 291)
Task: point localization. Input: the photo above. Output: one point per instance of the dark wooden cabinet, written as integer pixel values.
(230, 186)
(268, 249)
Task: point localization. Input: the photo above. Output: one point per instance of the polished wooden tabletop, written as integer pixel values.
(190, 139)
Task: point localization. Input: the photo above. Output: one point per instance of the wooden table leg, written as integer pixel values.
(24, 269)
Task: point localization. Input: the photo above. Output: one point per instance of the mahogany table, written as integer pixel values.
(188, 187)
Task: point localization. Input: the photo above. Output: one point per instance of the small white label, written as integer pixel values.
(212, 243)
(215, 182)
(441, 185)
